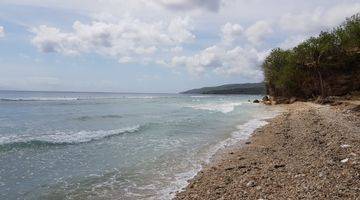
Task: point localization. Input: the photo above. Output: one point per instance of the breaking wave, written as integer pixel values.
(41, 99)
(85, 118)
(63, 138)
(217, 107)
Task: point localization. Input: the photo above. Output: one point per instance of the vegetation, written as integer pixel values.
(323, 66)
(247, 88)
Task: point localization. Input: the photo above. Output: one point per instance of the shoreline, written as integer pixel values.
(237, 139)
(305, 152)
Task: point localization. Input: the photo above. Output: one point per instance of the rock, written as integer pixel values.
(229, 168)
(279, 166)
(267, 102)
(336, 103)
(356, 108)
(251, 184)
(299, 175)
(282, 101)
(348, 97)
(344, 160)
(256, 101)
(248, 142)
(345, 146)
(266, 98)
(324, 100)
(292, 100)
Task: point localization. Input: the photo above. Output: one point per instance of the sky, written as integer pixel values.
(151, 45)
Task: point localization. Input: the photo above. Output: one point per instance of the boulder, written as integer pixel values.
(325, 100)
(267, 103)
(266, 98)
(281, 100)
(251, 184)
(256, 101)
(292, 100)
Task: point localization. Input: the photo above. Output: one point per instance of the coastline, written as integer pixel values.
(237, 139)
(310, 151)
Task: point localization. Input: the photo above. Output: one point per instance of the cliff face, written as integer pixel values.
(327, 65)
(335, 82)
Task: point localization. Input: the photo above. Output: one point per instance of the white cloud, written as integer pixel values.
(241, 61)
(125, 59)
(154, 37)
(318, 19)
(231, 31)
(179, 30)
(293, 41)
(211, 5)
(2, 31)
(177, 49)
(236, 61)
(209, 58)
(122, 40)
(258, 31)
(162, 63)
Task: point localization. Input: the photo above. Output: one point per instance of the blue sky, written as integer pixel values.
(152, 45)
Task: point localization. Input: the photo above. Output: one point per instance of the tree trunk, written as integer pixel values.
(321, 83)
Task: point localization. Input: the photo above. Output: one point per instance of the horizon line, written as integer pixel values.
(110, 92)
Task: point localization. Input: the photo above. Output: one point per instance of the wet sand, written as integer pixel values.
(309, 152)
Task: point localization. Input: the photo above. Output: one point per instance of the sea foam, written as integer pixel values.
(41, 99)
(65, 137)
(217, 107)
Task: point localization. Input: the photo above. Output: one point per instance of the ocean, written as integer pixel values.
(68, 145)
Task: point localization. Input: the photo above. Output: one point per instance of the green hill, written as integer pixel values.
(246, 88)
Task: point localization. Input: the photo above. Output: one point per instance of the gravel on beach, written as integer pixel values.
(309, 152)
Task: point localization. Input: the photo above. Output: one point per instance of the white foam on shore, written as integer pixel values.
(67, 137)
(142, 97)
(201, 96)
(242, 133)
(217, 107)
(41, 99)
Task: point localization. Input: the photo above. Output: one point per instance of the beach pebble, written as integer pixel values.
(353, 154)
(344, 160)
(279, 166)
(251, 184)
(299, 175)
(345, 146)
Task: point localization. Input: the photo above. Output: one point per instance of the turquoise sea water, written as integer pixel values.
(58, 145)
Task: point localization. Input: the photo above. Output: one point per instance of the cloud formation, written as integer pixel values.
(237, 48)
(231, 31)
(243, 62)
(318, 19)
(258, 31)
(2, 31)
(211, 5)
(124, 40)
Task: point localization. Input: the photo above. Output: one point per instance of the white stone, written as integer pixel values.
(345, 146)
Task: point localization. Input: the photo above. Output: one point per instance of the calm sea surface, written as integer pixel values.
(60, 145)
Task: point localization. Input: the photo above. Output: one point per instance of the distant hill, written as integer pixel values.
(246, 88)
